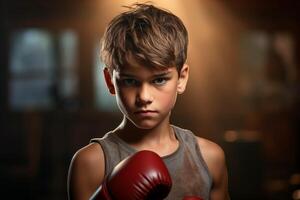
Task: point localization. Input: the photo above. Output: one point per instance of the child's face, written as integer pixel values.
(146, 96)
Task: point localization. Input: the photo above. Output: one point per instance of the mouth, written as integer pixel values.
(145, 112)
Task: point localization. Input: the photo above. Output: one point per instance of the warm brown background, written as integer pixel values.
(260, 135)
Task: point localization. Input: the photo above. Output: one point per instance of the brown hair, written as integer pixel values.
(152, 36)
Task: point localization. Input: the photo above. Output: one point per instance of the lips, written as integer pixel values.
(145, 112)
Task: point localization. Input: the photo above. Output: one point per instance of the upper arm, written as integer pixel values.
(86, 172)
(215, 159)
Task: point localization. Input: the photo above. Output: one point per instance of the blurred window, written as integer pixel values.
(68, 83)
(103, 99)
(42, 69)
(31, 69)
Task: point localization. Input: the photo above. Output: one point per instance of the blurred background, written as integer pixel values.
(243, 91)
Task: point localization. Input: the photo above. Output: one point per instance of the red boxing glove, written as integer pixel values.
(138, 177)
(192, 198)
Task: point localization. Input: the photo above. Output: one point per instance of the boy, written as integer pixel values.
(145, 50)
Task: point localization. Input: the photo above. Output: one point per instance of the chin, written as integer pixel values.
(145, 124)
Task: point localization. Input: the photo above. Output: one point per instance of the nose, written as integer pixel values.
(144, 96)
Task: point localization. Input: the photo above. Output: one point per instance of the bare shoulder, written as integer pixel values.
(86, 172)
(214, 157)
(211, 152)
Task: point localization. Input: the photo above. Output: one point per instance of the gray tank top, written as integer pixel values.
(189, 172)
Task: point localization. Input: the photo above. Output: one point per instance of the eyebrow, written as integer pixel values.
(162, 74)
(155, 75)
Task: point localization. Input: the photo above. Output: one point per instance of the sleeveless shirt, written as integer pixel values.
(188, 170)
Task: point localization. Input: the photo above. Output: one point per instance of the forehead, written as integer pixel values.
(135, 68)
(145, 73)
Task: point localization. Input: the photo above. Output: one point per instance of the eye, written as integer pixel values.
(160, 81)
(129, 82)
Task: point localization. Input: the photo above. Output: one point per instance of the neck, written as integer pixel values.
(134, 135)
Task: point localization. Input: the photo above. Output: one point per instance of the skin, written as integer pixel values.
(138, 88)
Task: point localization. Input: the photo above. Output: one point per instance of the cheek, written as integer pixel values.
(124, 98)
(167, 99)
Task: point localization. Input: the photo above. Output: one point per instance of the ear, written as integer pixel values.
(183, 78)
(108, 80)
